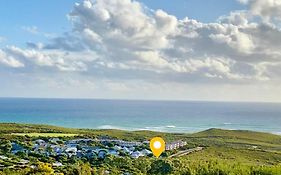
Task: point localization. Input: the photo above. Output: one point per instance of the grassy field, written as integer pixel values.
(45, 134)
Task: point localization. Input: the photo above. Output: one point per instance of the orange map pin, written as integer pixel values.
(157, 146)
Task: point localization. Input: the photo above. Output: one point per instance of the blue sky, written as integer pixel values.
(225, 50)
(196, 9)
(49, 16)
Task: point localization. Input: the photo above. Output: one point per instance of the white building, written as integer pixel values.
(39, 141)
(175, 145)
(146, 152)
(57, 164)
(137, 154)
(71, 151)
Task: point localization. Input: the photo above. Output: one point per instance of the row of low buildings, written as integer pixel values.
(106, 140)
(81, 148)
(175, 145)
(121, 142)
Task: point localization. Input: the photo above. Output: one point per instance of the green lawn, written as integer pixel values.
(45, 134)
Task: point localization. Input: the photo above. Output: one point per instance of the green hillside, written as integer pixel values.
(224, 152)
(240, 134)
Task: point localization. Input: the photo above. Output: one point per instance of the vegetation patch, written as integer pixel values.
(45, 134)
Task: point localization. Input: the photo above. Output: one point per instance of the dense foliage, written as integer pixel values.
(151, 166)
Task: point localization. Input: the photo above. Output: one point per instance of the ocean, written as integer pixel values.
(166, 116)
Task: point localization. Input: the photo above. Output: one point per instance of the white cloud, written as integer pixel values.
(126, 36)
(9, 61)
(240, 41)
(266, 9)
(236, 18)
(126, 33)
(124, 23)
(59, 60)
(243, 1)
(122, 40)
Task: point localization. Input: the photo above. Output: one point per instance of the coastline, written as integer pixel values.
(172, 117)
(107, 128)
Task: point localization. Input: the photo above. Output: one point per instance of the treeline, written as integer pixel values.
(178, 166)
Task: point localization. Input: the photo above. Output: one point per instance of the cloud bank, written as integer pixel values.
(123, 40)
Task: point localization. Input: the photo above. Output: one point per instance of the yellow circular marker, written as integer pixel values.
(157, 146)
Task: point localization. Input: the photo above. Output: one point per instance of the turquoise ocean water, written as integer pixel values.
(170, 116)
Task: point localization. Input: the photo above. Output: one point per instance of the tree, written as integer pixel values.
(85, 169)
(6, 146)
(50, 150)
(80, 169)
(45, 168)
(161, 167)
(142, 164)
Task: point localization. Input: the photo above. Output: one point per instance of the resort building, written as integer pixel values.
(175, 145)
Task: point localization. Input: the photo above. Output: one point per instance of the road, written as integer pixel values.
(185, 152)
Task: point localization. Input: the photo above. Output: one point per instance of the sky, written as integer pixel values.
(211, 50)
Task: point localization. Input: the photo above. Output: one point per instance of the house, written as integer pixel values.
(132, 148)
(71, 151)
(57, 164)
(77, 141)
(91, 154)
(54, 140)
(113, 152)
(40, 147)
(4, 157)
(57, 149)
(86, 141)
(72, 145)
(102, 153)
(170, 147)
(80, 154)
(86, 148)
(72, 141)
(39, 141)
(23, 162)
(182, 143)
(116, 147)
(136, 154)
(146, 152)
(128, 144)
(17, 148)
(126, 150)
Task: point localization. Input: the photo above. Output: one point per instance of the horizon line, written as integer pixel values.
(139, 99)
